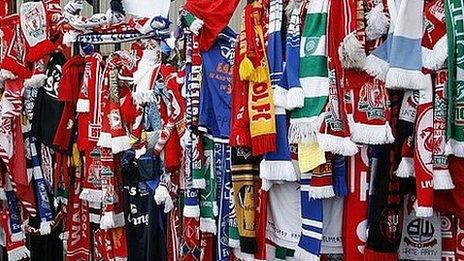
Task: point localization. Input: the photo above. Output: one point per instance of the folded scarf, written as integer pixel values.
(313, 74)
(404, 40)
(455, 132)
(441, 176)
(35, 25)
(255, 69)
(434, 40)
(334, 133)
(423, 151)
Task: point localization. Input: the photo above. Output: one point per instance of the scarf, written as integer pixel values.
(339, 174)
(284, 223)
(334, 133)
(441, 176)
(459, 235)
(448, 237)
(309, 246)
(277, 166)
(12, 149)
(404, 39)
(145, 75)
(332, 226)
(14, 213)
(447, 201)
(423, 151)
(244, 181)
(15, 250)
(254, 68)
(351, 50)
(354, 223)
(212, 25)
(222, 154)
(377, 20)
(289, 85)
(434, 40)
(35, 27)
(208, 203)
(313, 74)
(78, 242)
(423, 244)
(190, 247)
(407, 118)
(41, 186)
(14, 62)
(455, 131)
(321, 179)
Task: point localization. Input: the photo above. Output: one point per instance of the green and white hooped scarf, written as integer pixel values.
(455, 86)
(305, 121)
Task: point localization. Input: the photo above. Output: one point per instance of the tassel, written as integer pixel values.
(45, 227)
(352, 54)
(377, 22)
(16, 237)
(19, 253)
(246, 69)
(261, 74)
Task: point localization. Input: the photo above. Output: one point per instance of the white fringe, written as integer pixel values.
(199, 183)
(424, 212)
(277, 170)
(266, 184)
(338, 145)
(107, 220)
(2, 194)
(104, 140)
(442, 180)
(70, 37)
(120, 144)
(143, 97)
(16, 237)
(196, 26)
(376, 67)
(304, 130)
(18, 253)
(162, 196)
(371, 134)
(280, 96)
(91, 195)
(301, 254)
(352, 53)
(7, 75)
(83, 105)
(295, 98)
(321, 192)
(377, 22)
(208, 225)
(192, 211)
(36, 81)
(405, 168)
(234, 243)
(243, 256)
(45, 227)
(398, 78)
(435, 59)
(454, 147)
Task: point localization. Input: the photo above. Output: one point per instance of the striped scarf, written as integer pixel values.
(313, 74)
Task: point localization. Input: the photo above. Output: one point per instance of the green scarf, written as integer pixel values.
(313, 74)
(208, 204)
(455, 85)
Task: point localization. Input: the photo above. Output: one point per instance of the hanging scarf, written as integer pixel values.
(309, 246)
(15, 250)
(254, 68)
(352, 51)
(313, 74)
(434, 40)
(423, 151)
(41, 186)
(428, 247)
(387, 61)
(222, 153)
(14, 56)
(244, 180)
(448, 237)
(459, 236)
(334, 133)
(441, 176)
(277, 166)
(35, 26)
(355, 207)
(289, 85)
(208, 203)
(454, 14)
(145, 75)
(14, 213)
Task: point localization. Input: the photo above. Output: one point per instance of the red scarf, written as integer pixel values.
(14, 60)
